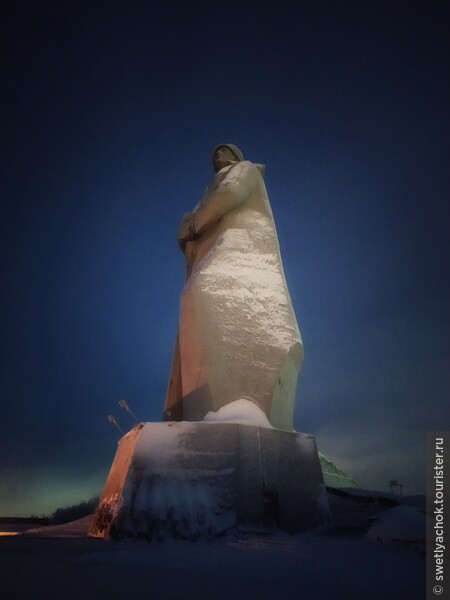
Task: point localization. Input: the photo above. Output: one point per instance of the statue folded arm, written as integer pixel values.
(186, 231)
(228, 194)
(232, 191)
(238, 336)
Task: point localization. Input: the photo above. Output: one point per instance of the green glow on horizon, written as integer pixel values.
(41, 494)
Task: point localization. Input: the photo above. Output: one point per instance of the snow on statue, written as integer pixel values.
(238, 336)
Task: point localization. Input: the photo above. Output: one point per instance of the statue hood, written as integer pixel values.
(234, 149)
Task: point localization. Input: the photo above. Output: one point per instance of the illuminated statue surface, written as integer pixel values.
(238, 336)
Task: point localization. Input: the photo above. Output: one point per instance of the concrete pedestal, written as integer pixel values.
(191, 479)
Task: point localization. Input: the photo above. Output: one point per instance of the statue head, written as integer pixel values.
(224, 154)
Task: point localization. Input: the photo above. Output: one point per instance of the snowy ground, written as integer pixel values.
(309, 566)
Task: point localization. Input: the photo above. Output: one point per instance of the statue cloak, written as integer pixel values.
(238, 335)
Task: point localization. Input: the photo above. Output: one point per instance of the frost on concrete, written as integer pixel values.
(189, 480)
(174, 484)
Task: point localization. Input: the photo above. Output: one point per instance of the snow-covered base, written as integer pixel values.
(247, 412)
(242, 411)
(192, 479)
(74, 529)
(401, 524)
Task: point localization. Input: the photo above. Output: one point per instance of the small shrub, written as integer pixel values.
(74, 512)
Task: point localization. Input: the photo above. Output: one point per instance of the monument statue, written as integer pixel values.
(238, 336)
(228, 457)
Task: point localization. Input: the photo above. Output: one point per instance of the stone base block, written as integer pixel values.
(190, 479)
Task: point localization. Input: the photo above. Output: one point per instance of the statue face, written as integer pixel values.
(222, 157)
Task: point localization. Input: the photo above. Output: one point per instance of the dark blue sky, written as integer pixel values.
(109, 114)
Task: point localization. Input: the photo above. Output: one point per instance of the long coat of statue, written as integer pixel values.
(238, 336)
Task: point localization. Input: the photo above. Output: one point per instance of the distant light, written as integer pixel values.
(8, 533)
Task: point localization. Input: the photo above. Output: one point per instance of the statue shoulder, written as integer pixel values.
(243, 165)
(246, 169)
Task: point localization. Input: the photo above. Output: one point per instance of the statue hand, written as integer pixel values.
(186, 230)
